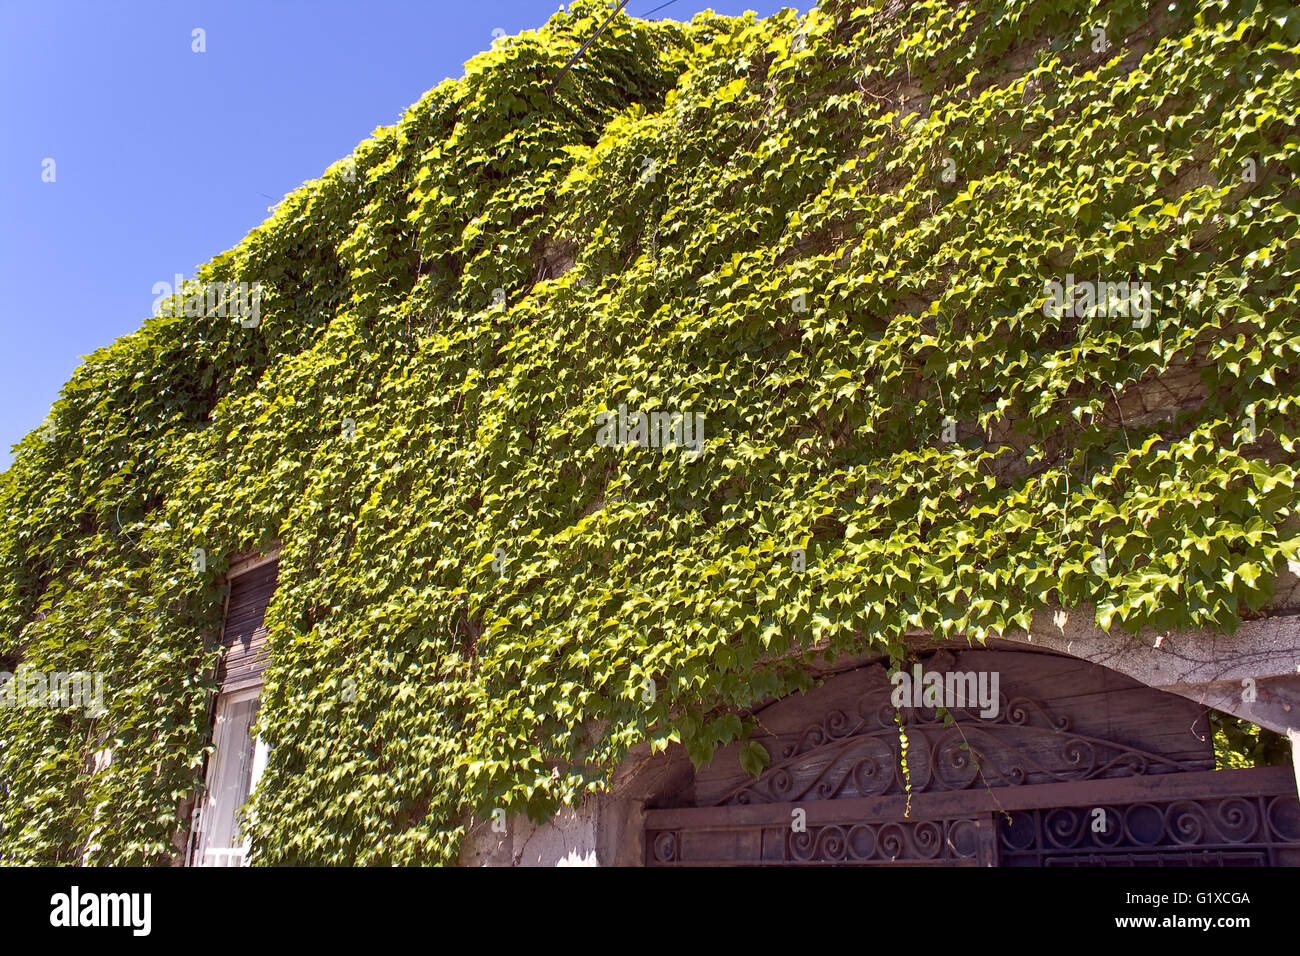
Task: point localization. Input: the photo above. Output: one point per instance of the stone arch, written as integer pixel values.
(1202, 669)
(1072, 746)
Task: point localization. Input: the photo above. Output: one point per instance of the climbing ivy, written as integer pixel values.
(830, 236)
(1239, 743)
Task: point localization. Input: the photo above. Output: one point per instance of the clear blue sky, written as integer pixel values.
(165, 157)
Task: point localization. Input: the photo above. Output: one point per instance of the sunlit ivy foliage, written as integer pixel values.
(829, 235)
(1239, 743)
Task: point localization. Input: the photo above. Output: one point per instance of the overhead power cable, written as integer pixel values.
(550, 90)
(658, 8)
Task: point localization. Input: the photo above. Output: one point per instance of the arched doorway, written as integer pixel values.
(1052, 762)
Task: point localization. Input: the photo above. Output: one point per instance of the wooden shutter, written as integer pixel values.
(244, 635)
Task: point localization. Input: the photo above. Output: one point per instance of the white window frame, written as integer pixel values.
(219, 767)
(202, 853)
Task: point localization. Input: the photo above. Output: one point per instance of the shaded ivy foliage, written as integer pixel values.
(1239, 744)
(475, 594)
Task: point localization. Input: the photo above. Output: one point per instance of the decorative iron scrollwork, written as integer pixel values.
(903, 841)
(860, 756)
(664, 846)
(1071, 834)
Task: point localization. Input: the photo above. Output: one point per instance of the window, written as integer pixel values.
(236, 764)
(238, 757)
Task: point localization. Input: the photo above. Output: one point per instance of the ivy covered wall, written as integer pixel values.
(836, 243)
